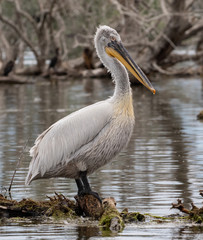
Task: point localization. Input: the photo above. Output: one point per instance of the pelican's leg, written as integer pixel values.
(86, 186)
(79, 185)
(83, 176)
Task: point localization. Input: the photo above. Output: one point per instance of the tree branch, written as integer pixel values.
(183, 71)
(25, 14)
(21, 35)
(45, 13)
(175, 58)
(194, 29)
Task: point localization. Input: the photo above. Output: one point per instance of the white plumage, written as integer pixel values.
(87, 139)
(58, 144)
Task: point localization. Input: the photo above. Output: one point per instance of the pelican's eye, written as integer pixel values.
(113, 38)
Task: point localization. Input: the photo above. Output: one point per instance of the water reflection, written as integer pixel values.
(71, 232)
(163, 161)
(85, 233)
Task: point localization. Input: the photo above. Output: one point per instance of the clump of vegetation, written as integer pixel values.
(60, 207)
(132, 217)
(110, 219)
(57, 206)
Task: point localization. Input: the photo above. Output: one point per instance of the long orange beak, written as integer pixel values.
(117, 51)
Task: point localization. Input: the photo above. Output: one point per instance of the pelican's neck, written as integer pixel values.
(122, 97)
(117, 70)
(121, 79)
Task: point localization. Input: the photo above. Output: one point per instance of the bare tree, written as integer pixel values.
(151, 29)
(160, 27)
(31, 29)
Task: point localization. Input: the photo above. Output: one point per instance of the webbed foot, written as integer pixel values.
(86, 192)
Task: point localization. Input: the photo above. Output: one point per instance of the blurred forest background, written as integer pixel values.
(58, 35)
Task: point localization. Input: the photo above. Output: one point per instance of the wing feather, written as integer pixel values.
(66, 136)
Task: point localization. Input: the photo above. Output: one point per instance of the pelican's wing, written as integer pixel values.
(66, 136)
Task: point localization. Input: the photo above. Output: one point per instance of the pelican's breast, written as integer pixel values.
(123, 107)
(111, 140)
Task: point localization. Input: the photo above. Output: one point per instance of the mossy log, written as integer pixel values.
(111, 218)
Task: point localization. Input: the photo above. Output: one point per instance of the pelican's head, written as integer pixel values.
(108, 43)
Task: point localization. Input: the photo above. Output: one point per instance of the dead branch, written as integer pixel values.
(180, 207)
(17, 165)
(194, 213)
(198, 27)
(150, 30)
(176, 58)
(182, 71)
(20, 34)
(25, 14)
(189, 4)
(45, 13)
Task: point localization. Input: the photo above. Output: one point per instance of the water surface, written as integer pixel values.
(163, 161)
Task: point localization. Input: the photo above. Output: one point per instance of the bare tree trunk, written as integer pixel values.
(150, 29)
(174, 32)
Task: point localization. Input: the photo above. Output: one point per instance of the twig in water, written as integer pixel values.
(17, 165)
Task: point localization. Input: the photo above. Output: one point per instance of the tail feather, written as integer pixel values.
(31, 176)
(28, 179)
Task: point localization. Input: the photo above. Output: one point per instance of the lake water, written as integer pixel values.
(163, 161)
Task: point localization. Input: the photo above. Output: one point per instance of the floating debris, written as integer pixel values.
(200, 115)
(195, 214)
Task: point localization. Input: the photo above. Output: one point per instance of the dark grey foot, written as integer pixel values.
(85, 192)
(84, 186)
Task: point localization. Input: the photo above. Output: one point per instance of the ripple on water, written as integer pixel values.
(163, 160)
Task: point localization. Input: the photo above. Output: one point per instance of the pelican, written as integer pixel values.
(80, 143)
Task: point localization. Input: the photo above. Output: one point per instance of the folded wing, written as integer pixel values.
(67, 136)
